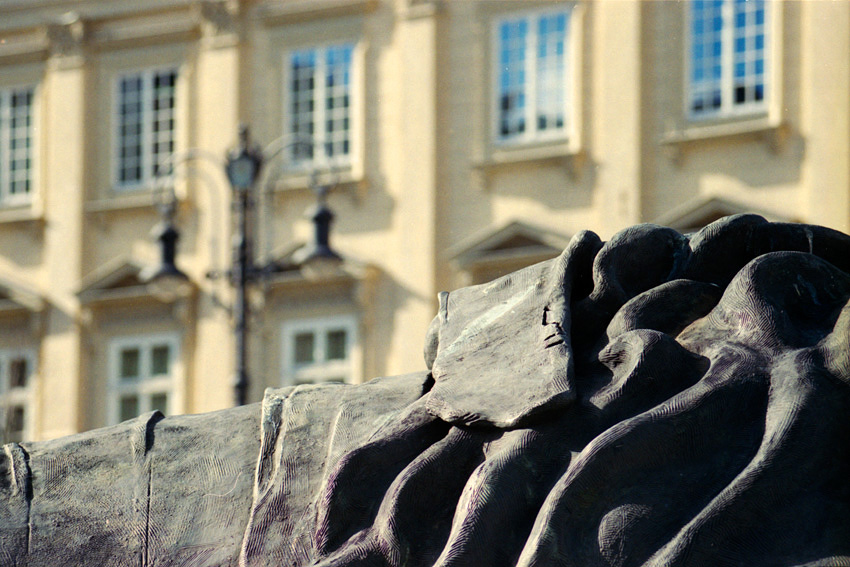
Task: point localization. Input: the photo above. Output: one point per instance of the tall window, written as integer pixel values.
(319, 350)
(532, 89)
(728, 57)
(142, 375)
(319, 110)
(145, 125)
(16, 145)
(16, 373)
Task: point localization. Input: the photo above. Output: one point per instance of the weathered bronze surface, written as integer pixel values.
(657, 400)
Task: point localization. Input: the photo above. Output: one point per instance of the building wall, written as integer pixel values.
(427, 191)
(749, 164)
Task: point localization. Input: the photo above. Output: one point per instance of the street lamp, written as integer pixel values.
(243, 163)
(243, 166)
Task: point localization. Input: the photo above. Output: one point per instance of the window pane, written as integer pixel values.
(319, 93)
(162, 120)
(160, 360)
(130, 120)
(727, 56)
(17, 160)
(128, 407)
(302, 92)
(304, 345)
(551, 72)
(320, 350)
(749, 52)
(513, 37)
(18, 373)
(160, 402)
(705, 54)
(337, 93)
(130, 358)
(532, 88)
(145, 123)
(335, 345)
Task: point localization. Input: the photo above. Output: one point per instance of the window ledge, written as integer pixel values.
(573, 159)
(346, 181)
(22, 215)
(132, 200)
(771, 132)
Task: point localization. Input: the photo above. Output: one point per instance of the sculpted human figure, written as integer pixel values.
(658, 399)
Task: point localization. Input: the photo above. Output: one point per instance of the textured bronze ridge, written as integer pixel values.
(658, 399)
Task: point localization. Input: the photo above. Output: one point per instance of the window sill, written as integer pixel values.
(344, 181)
(564, 154)
(771, 132)
(137, 199)
(24, 216)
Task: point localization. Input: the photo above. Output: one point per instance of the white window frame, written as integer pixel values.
(20, 396)
(532, 134)
(7, 199)
(147, 137)
(319, 138)
(146, 385)
(322, 370)
(728, 108)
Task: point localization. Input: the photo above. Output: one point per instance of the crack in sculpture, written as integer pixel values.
(655, 400)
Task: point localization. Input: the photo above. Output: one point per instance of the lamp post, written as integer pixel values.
(242, 167)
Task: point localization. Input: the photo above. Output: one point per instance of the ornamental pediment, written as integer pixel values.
(702, 211)
(16, 298)
(122, 278)
(516, 239)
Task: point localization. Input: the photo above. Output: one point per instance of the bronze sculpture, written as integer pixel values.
(656, 400)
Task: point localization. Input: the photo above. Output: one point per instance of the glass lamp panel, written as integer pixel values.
(241, 172)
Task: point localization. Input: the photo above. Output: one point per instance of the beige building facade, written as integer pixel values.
(461, 139)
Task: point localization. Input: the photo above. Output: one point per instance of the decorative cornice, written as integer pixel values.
(278, 12)
(415, 9)
(218, 17)
(67, 36)
(25, 45)
(173, 25)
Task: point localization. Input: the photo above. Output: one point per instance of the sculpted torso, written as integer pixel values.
(656, 400)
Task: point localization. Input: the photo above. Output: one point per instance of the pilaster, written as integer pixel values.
(218, 94)
(62, 364)
(617, 131)
(826, 112)
(416, 198)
